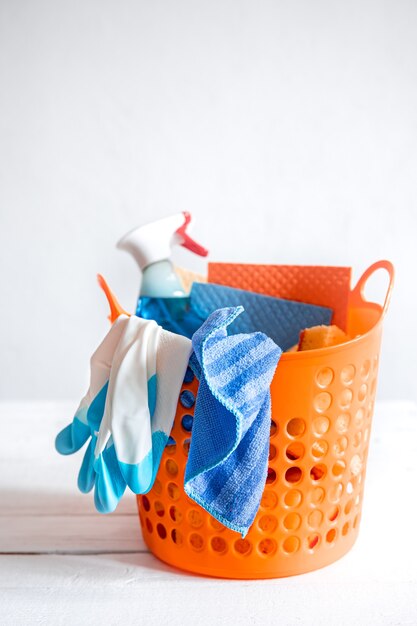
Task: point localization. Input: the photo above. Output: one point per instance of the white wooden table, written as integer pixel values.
(63, 563)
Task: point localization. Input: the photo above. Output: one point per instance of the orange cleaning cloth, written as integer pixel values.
(314, 284)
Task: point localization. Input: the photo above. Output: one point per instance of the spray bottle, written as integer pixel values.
(161, 295)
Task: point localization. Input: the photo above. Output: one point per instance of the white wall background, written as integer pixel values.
(288, 128)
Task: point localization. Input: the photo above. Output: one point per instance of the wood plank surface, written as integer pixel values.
(63, 563)
(136, 589)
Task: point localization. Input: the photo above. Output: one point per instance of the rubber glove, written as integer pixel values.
(74, 436)
(89, 414)
(145, 380)
(127, 414)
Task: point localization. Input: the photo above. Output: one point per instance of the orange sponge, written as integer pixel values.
(321, 337)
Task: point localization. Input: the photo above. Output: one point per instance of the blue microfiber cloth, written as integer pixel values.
(282, 320)
(228, 457)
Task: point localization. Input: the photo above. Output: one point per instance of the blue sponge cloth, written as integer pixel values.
(281, 320)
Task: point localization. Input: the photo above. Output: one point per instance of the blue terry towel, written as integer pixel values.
(228, 457)
(280, 319)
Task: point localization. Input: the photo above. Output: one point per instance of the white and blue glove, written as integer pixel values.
(129, 409)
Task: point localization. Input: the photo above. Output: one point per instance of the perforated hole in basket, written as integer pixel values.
(243, 547)
(161, 530)
(175, 514)
(196, 542)
(268, 523)
(322, 401)
(177, 537)
(296, 427)
(269, 499)
(318, 472)
(186, 446)
(271, 476)
(295, 451)
(171, 467)
(218, 545)
(324, 377)
(319, 448)
(293, 498)
(159, 508)
(274, 428)
(321, 425)
(171, 446)
(293, 474)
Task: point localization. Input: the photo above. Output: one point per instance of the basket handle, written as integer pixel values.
(357, 294)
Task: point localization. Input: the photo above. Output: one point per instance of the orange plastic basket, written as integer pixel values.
(322, 406)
